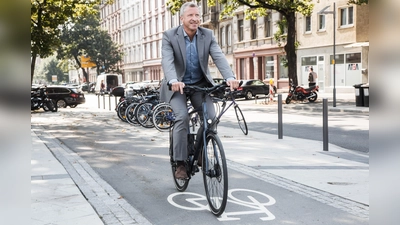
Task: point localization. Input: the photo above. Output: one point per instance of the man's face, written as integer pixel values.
(191, 19)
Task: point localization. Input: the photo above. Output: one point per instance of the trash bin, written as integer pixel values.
(359, 94)
(365, 88)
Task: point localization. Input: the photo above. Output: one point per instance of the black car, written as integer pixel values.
(66, 96)
(252, 88)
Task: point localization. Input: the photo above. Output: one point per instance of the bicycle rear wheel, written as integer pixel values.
(180, 184)
(215, 175)
(241, 120)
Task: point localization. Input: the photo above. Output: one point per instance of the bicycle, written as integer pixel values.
(203, 141)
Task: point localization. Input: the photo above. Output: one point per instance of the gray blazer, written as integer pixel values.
(173, 60)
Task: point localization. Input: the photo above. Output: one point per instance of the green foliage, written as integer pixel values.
(49, 67)
(47, 16)
(358, 2)
(84, 36)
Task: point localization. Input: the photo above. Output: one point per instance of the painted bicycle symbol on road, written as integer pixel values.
(257, 205)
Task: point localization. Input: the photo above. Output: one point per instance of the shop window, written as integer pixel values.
(309, 61)
(353, 58)
(283, 70)
(339, 59)
(269, 67)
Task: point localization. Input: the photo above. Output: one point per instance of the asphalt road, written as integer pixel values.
(134, 161)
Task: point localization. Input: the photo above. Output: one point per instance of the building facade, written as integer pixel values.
(248, 44)
(131, 29)
(316, 36)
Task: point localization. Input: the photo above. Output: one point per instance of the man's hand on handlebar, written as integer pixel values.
(177, 86)
(233, 84)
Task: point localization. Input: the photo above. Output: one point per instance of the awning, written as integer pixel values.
(357, 44)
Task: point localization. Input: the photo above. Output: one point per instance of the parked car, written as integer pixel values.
(65, 96)
(252, 88)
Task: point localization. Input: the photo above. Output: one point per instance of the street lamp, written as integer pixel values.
(323, 11)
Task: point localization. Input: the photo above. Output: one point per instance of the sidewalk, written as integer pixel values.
(337, 177)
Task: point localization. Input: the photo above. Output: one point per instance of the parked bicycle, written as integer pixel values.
(205, 150)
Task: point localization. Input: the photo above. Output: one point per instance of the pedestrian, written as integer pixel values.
(185, 55)
(272, 87)
(312, 78)
(102, 87)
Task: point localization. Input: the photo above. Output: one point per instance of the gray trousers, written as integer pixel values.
(180, 131)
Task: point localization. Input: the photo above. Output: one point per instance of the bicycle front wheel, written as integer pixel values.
(215, 175)
(241, 120)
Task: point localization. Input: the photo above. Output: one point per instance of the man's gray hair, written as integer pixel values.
(185, 5)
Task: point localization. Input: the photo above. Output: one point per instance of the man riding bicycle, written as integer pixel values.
(185, 54)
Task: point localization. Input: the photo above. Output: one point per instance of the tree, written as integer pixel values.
(288, 9)
(82, 36)
(50, 67)
(46, 18)
(358, 2)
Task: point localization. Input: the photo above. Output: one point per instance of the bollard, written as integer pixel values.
(98, 101)
(104, 101)
(325, 123)
(109, 102)
(280, 132)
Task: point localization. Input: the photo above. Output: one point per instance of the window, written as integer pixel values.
(229, 35)
(253, 24)
(339, 59)
(353, 58)
(306, 61)
(346, 16)
(240, 30)
(321, 22)
(267, 25)
(307, 27)
(269, 67)
(223, 37)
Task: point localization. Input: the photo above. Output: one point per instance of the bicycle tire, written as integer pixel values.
(121, 108)
(163, 117)
(143, 115)
(241, 121)
(215, 174)
(180, 184)
(130, 114)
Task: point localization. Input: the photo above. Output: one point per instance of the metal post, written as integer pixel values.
(98, 101)
(280, 133)
(109, 102)
(334, 54)
(323, 11)
(325, 123)
(104, 101)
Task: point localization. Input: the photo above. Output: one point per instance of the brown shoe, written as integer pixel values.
(181, 173)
